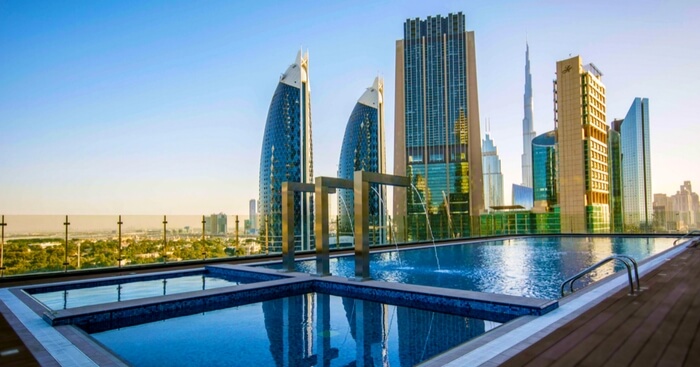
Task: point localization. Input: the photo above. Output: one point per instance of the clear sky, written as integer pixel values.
(158, 107)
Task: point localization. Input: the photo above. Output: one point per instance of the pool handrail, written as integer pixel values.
(695, 231)
(626, 260)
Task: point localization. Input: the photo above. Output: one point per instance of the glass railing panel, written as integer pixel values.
(33, 243)
(143, 240)
(93, 241)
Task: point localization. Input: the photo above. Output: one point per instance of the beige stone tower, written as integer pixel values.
(582, 164)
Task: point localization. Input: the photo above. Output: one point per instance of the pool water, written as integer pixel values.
(529, 267)
(79, 297)
(302, 330)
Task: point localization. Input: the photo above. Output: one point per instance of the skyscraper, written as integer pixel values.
(493, 178)
(582, 139)
(287, 155)
(363, 150)
(437, 136)
(615, 174)
(636, 166)
(217, 224)
(544, 172)
(253, 215)
(528, 132)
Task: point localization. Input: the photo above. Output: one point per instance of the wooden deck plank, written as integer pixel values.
(684, 313)
(622, 323)
(578, 329)
(660, 326)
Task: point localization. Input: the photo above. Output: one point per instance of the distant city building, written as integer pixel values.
(528, 132)
(493, 178)
(253, 217)
(523, 196)
(582, 140)
(287, 156)
(544, 172)
(615, 175)
(437, 132)
(664, 218)
(217, 224)
(636, 166)
(363, 150)
(686, 208)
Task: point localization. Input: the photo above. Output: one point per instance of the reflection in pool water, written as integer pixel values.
(296, 331)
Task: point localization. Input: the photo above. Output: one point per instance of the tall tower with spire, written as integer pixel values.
(528, 132)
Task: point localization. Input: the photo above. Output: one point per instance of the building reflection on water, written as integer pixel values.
(312, 330)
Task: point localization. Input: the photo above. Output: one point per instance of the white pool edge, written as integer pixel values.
(60, 348)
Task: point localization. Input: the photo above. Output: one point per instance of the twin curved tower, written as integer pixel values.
(363, 150)
(287, 155)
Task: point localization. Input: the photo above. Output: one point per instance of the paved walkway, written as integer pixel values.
(659, 327)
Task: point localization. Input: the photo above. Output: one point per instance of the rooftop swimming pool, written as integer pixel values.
(301, 330)
(529, 267)
(227, 314)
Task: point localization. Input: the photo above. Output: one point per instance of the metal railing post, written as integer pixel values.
(119, 238)
(65, 255)
(204, 245)
(2, 247)
(165, 239)
(237, 230)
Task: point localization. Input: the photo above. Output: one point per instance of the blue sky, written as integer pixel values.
(158, 107)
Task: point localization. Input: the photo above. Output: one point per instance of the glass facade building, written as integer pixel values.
(615, 167)
(636, 167)
(363, 150)
(287, 157)
(522, 195)
(437, 136)
(544, 172)
(493, 178)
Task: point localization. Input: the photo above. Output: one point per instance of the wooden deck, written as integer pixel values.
(13, 352)
(659, 327)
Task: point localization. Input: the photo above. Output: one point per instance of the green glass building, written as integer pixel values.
(615, 168)
(437, 136)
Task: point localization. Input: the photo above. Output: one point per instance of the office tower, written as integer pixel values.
(636, 167)
(437, 136)
(493, 178)
(615, 174)
(217, 224)
(287, 157)
(582, 140)
(253, 217)
(522, 195)
(528, 132)
(363, 150)
(544, 172)
(686, 208)
(663, 213)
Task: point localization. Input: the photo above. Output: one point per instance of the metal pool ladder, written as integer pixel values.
(686, 235)
(626, 260)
